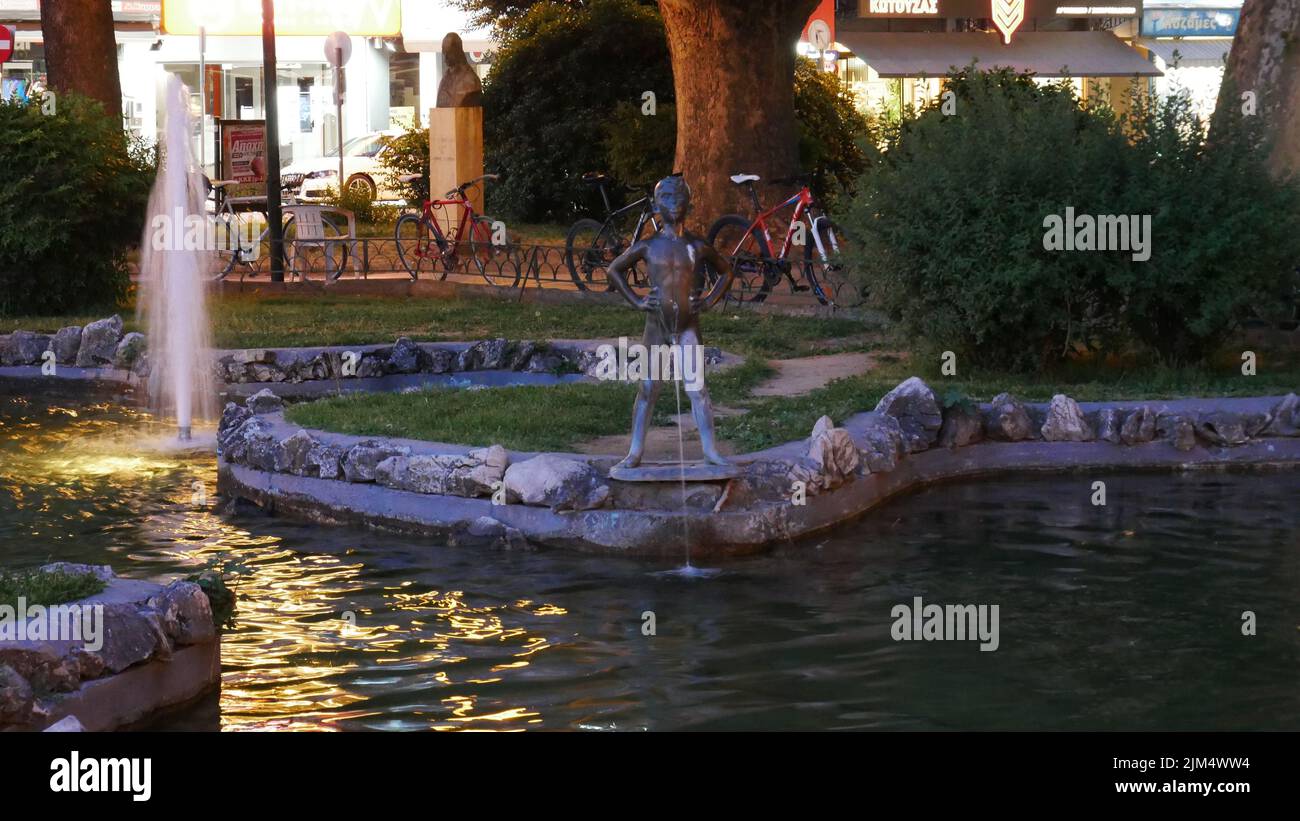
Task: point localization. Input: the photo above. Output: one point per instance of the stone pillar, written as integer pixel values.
(456, 151)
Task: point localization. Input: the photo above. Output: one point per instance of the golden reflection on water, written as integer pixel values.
(317, 644)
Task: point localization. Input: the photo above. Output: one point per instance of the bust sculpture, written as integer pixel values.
(460, 86)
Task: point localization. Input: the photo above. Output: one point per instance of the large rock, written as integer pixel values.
(833, 453)
(490, 354)
(1008, 421)
(477, 472)
(23, 348)
(324, 460)
(441, 360)
(291, 454)
(16, 697)
(962, 425)
(129, 350)
(555, 482)
(99, 342)
(1065, 421)
(131, 635)
(915, 407)
(184, 613)
(361, 459)
(881, 443)
(405, 357)
(65, 344)
(1179, 429)
(1139, 427)
(1108, 425)
(232, 417)
(1285, 418)
(250, 444)
(1222, 428)
(265, 401)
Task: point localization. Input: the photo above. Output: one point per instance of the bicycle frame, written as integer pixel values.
(803, 204)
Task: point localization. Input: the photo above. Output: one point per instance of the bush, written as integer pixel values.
(639, 149)
(559, 74)
(73, 192)
(366, 210)
(408, 153)
(949, 225)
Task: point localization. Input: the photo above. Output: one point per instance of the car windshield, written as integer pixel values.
(367, 146)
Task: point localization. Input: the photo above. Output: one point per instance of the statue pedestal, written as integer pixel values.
(455, 153)
(674, 472)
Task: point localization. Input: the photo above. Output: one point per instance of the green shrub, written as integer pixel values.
(73, 191)
(408, 153)
(366, 210)
(639, 149)
(949, 224)
(46, 587)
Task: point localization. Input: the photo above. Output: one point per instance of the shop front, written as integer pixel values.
(1189, 41)
(894, 53)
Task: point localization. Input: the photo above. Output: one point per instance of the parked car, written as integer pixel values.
(362, 169)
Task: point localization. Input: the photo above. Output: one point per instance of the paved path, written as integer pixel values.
(799, 376)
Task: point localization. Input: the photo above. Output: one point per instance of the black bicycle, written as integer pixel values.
(591, 246)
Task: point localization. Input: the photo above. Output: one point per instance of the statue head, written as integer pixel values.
(453, 50)
(672, 199)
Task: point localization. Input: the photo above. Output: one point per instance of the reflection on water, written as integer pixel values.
(1123, 616)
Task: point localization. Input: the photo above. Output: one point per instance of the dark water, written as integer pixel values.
(1115, 617)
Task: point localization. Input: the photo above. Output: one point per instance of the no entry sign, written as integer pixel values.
(8, 36)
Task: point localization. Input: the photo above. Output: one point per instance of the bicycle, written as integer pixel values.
(234, 241)
(748, 243)
(591, 246)
(423, 246)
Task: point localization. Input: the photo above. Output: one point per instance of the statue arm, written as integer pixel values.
(620, 266)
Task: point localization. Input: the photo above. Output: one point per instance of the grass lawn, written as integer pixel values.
(339, 319)
(46, 588)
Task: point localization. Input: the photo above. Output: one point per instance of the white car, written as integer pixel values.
(362, 170)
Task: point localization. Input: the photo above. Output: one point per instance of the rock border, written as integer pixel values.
(477, 495)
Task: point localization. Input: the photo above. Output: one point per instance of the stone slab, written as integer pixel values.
(674, 472)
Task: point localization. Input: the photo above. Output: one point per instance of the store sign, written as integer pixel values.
(1190, 22)
(376, 18)
(903, 8)
(1007, 16)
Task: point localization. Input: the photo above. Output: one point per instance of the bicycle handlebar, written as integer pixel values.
(460, 189)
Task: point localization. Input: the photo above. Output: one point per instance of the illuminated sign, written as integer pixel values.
(1096, 11)
(1190, 22)
(1007, 16)
(901, 8)
(377, 18)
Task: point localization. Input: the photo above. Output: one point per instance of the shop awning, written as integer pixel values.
(1045, 53)
(1211, 52)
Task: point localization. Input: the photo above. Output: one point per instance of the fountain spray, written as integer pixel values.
(175, 254)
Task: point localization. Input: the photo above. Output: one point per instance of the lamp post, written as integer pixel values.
(275, 225)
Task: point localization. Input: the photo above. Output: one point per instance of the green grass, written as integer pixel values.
(46, 588)
(530, 417)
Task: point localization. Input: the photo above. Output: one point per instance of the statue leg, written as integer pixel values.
(701, 404)
(642, 412)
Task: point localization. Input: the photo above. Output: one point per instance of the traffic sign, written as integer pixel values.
(338, 49)
(8, 38)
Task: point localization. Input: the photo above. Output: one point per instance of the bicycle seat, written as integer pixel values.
(594, 178)
(409, 177)
(221, 183)
(741, 179)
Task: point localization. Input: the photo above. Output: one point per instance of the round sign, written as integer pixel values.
(819, 34)
(338, 49)
(8, 38)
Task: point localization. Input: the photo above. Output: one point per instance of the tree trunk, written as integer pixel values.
(80, 52)
(733, 72)
(1264, 60)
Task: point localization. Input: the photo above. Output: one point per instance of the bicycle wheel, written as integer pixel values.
(751, 259)
(825, 268)
(229, 247)
(494, 257)
(589, 248)
(419, 246)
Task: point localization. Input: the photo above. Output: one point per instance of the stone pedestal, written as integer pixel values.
(674, 472)
(455, 152)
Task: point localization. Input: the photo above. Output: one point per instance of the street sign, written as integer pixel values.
(338, 49)
(8, 37)
(819, 34)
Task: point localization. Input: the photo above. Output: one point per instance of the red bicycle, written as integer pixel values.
(749, 244)
(472, 239)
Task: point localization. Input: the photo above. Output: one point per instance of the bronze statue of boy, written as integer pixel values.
(675, 260)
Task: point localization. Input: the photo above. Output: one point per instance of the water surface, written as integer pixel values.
(1126, 616)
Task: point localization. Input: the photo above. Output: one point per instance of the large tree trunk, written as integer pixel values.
(733, 71)
(80, 52)
(1265, 60)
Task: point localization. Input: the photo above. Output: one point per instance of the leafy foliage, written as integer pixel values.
(559, 74)
(949, 226)
(46, 587)
(831, 130)
(73, 191)
(408, 153)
